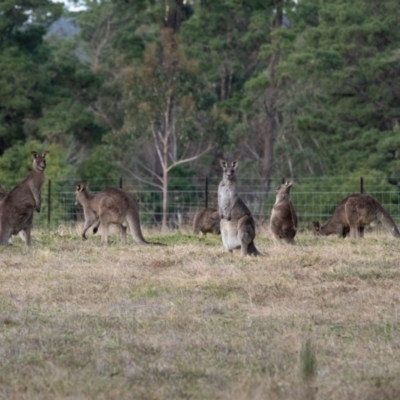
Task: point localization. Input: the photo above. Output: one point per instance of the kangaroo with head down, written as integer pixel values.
(112, 206)
(206, 221)
(354, 213)
(283, 221)
(17, 207)
(237, 224)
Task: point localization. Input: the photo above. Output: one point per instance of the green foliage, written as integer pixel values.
(344, 61)
(16, 162)
(98, 164)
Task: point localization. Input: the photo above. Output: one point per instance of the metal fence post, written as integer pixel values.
(49, 202)
(206, 193)
(361, 185)
(120, 182)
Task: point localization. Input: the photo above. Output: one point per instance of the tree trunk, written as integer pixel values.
(164, 226)
(270, 104)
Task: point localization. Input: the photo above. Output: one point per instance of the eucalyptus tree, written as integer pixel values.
(345, 60)
(238, 45)
(22, 53)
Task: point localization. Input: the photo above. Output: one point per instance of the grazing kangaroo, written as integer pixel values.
(283, 221)
(206, 221)
(112, 206)
(237, 223)
(17, 207)
(354, 213)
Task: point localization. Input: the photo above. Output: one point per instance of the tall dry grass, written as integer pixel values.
(80, 320)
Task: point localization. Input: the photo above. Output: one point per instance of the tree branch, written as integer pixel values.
(139, 178)
(185, 160)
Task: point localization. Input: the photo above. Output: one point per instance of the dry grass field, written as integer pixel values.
(79, 320)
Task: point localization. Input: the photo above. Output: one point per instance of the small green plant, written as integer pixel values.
(388, 331)
(308, 361)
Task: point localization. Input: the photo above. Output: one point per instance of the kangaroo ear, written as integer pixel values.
(34, 154)
(79, 187)
(223, 163)
(45, 154)
(234, 164)
(289, 184)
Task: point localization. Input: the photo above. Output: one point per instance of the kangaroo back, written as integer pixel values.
(206, 221)
(363, 209)
(283, 221)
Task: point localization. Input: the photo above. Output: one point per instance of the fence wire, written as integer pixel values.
(186, 196)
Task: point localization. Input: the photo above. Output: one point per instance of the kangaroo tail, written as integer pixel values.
(252, 250)
(134, 226)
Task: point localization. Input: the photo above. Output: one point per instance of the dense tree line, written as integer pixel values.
(163, 88)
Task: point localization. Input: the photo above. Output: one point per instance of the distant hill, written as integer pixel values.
(62, 28)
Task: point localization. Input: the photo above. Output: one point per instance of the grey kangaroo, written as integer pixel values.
(18, 206)
(354, 213)
(206, 221)
(283, 221)
(112, 206)
(237, 223)
(3, 194)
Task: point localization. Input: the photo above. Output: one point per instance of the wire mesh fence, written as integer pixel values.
(313, 199)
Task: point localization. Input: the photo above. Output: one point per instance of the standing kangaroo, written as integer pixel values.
(3, 194)
(17, 207)
(237, 223)
(283, 221)
(112, 206)
(354, 213)
(206, 221)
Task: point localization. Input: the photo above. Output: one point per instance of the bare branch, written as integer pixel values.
(185, 160)
(158, 148)
(251, 150)
(139, 178)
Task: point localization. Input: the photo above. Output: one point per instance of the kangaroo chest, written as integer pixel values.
(227, 197)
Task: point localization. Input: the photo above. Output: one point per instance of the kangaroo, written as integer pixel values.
(3, 194)
(112, 206)
(206, 221)
(337, 224)
(17, 207)
(237, 223)
(283, 221)
(354, 213)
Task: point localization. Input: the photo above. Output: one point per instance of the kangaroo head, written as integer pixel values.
(39, 160)
(229, 171)
(284, 188)
(317, 227)
(80, 190)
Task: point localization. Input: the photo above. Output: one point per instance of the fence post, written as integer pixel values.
(120, 182)
(361, 185)
(206, 193)
(49, 202)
